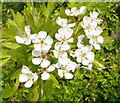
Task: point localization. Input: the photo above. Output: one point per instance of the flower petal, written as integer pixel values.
(97, 46)
(27, 30)
(36, 53)
(57, 45)
(29, 83)
(19, 40)
(35, 76)
(37, 47)
(60, 72)
(36, 61)
(45, 76)
(70, 40)
(45, 63)
(51, 68)
(42, 34)
(23, 77)
(65, 46)
(100, 39)
(48, 40)
(68, 75)
(25, 70)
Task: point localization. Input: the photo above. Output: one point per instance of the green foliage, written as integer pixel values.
(100, 84)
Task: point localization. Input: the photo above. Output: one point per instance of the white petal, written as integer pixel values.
(68, 76)
(80, 38)
(100, 39)
(71, 66)
(27, 42)
(70, 40)
(98, 31)
(57, 45)
(58, 37)
(78, 59)
(45, 76)
(70, 13)
(23, 77)
(91, 41)
(85, 62)
(25, 70)
(46, 47)
(19, 40)
(42, 34)
(71, 25)
(36, 53)
(37, 47)
(90, 56)
(94, 15)
(93, 24)
(97, 46)
(27, 30)
(35, 76)
(48, 40)
(65, 46)
(60, 72)
(77, 52)
(64, 55)
(29, 83)
(55, 53)
(36, 61)
(45, 63)
(58, 65)
(80, 11)
(51, 68)
(99, 21)
(63, 61)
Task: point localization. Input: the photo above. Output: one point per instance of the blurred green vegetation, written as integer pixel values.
(96, 85)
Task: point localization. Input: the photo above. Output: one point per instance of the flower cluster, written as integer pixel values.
(62, 50)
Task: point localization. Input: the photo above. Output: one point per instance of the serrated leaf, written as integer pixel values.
(11, 45)
(55, 82)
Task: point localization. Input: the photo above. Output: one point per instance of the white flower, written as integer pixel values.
(65, 65)
(27, 77)
(88, 67)
(64, 35)
(26, 38)
(84, 55)
(44, 43)
(63, 23)
(95, 40)
(91, 22)
(75, 12)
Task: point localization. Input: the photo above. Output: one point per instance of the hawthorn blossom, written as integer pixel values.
(65, 65)
(75, 12)
(84, 55)
(64, 36)
(64, 23)
(44, 43)
(91, 22)
(26, 39)
(95, 41)
(27, 76)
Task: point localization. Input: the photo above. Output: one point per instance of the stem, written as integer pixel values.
(41, 90)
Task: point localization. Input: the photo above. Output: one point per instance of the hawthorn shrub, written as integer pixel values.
(60, 51)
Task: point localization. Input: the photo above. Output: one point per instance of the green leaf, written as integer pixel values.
(16, 74)
(10, 91)
(55, 82)
(99, 63)
(11, 45)
(33, 95)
